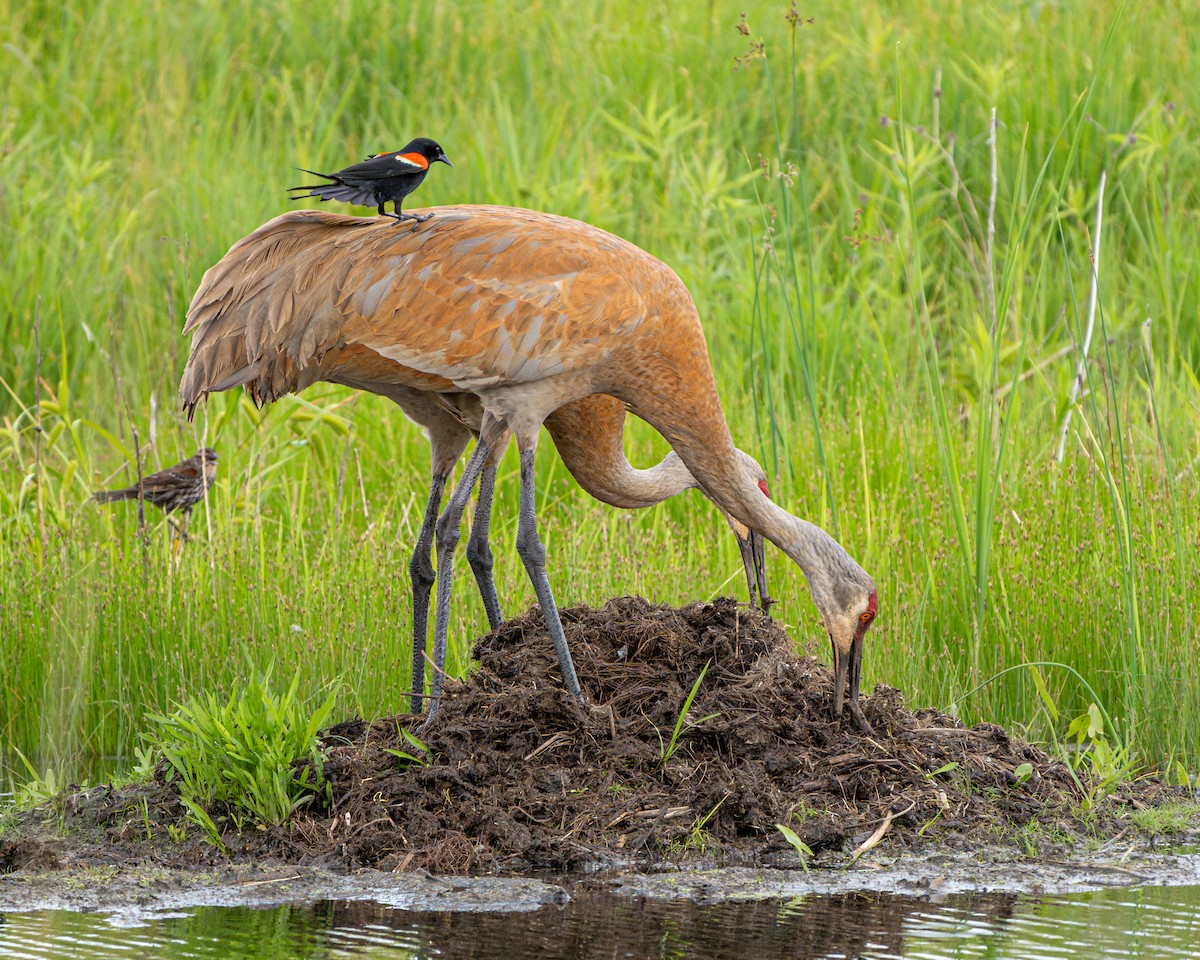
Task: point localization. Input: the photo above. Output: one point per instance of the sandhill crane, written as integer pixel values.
(587, 432)
(511, 314)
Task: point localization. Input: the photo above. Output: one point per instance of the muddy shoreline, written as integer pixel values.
(138, 893)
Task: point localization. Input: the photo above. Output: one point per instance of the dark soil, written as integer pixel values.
(519, 777)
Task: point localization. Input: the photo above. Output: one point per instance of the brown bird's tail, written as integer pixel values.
(112, 496)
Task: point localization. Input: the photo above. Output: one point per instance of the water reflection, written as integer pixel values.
(807, 928)
(1146, 922)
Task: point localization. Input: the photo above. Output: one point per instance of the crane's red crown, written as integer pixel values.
(869, 614)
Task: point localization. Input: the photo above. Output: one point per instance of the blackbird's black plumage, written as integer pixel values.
(179, 487)
(380, 178)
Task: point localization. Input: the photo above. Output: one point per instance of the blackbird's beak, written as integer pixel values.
(445, 159)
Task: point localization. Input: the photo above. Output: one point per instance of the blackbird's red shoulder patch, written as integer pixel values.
(415, 160)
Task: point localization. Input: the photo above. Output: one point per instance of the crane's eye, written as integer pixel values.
(867, 616)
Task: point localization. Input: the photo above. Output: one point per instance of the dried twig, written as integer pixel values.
(1081, 367)
(880, 832)
(37, 425)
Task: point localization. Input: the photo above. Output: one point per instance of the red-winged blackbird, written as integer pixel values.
(380, 178)
(180, 487)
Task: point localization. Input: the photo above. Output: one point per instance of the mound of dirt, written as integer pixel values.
(518, 776)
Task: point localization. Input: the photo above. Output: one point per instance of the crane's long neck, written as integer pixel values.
(698, 433)
(589, 437)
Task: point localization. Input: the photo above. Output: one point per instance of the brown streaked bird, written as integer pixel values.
(180, 487)
(513, 314)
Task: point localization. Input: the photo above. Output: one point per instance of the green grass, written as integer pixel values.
(901, 375)
(241, 753)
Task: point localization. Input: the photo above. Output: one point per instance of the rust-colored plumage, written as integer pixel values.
(486, 323)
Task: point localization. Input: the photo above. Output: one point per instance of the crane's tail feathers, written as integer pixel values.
(193, 395)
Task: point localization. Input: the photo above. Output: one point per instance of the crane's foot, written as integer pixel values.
(859, 720)
(424, 725)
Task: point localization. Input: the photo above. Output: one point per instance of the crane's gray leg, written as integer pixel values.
(421, 573)
(533, 554)
(479, 551)
(447, 542)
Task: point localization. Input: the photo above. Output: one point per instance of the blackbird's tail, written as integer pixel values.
(333, 183)
(336, 189)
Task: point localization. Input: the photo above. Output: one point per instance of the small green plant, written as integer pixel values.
(143, 770)
(930, 823)
(1167, 819)
(803, 850)
(682, 724)
(200, 816)
(144, 808)
(420, 755)
(1032, 837)
(699, 837)
(1104, 765)
(257, 753)
(44, 786)
(1022, 772)
(802, 812)
(945, 768)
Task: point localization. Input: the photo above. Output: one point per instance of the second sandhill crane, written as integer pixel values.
(515, 314)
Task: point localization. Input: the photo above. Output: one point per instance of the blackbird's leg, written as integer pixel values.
(181, 530)
(401, 217)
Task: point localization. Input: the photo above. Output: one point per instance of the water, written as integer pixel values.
(1142, 922)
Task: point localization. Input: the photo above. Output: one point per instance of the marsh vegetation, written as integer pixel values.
(894, 286)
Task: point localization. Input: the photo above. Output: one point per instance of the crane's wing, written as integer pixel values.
(479, 297)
